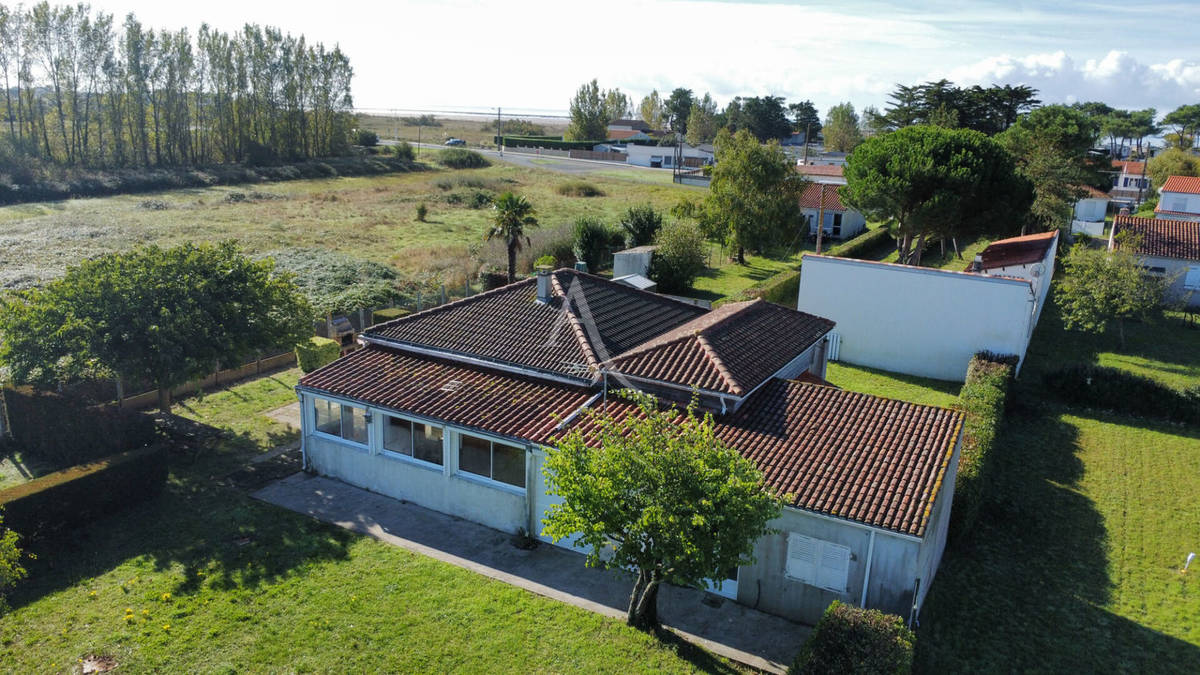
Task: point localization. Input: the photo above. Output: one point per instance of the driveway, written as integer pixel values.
(722, 626)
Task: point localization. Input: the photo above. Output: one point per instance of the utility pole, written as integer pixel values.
(807, 131)
(820, 215)
(1142, 182)
(419, 125)
(499, 133)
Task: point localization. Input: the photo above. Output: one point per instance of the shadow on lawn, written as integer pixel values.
(1023, 591)
(201, 522)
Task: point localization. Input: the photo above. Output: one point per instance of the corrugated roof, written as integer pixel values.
(1162, 238)
(1184, 184)
(1022, 250)
(732, 349)
(811, 199)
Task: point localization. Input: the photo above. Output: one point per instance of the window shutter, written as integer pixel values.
(803, 553)
(823, 564)
(835, 567)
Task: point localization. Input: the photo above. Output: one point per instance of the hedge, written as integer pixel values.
(982, 401)
(1112, 389)
(49, 426)
(381, 315)
(850, 639)
(862, 246)
(316, 352)
(85, 492)
(547, 142)
(459, 158)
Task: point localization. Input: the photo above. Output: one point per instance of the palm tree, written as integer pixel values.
(514, 213)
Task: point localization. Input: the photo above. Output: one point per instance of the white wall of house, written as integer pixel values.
(1179, 203)
(662, 156)
(1091, 210)
(1184, 276)
(917, 320)
(852, 222)
(633, 261)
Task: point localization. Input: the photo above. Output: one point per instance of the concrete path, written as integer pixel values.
(722, 626)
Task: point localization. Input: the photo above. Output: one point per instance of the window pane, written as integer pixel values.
(328, 416)
(427, 443)
(474, 455)
(354, 424)
(508, 464)
(397, 435)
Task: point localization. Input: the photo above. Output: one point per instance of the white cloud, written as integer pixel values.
(1118, 78)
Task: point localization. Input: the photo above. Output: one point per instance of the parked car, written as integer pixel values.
(456, 141)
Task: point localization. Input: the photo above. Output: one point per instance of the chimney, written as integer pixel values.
(544, 293)
(580, 266)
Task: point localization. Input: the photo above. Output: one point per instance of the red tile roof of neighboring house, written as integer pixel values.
(622, 134)
(841, 453)
(1186, 184)
(732, 349)
(631, 123)
(1024, 250)
(508, 405)
(821, 170)
(1161, 238)
(507, 325)
(811, 199)
(1128, 166)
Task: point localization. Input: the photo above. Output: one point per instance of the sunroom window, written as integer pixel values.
(337, 419)
(412, 439)
(490, 459)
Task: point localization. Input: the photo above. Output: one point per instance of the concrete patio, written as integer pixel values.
(722, 626)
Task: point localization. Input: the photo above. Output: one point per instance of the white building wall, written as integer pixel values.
(641, 154)
(1177, 271)
(633, 261)
(853, 222)
(917, 320)
(1091, 210)
(1179, 202)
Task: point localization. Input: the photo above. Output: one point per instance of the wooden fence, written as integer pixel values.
(220, 378)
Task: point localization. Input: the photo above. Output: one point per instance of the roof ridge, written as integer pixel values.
(449, 305)
(622, 288)
(576, 324)
(719, 364)
(678, 334)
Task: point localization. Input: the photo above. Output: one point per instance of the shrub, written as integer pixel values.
(545, 261)
(84, 492)
(459, 158)
(316, 352)
(865, 245)
(679, 257)
(557, 242)
(579, 188)
(850, 639)
(49, 426)
(782, 289)
(403, 151)
(11, 570)
(422, 211)
(591, 242)
(641, 224)
(335, 282)
(982, 401)
(381, 315)
(1113, 389)
(366, 138)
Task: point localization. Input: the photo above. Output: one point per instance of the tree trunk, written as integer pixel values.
(512, 262)
(643, 603)
(741, 255)
(164, 397)
(1121, 332)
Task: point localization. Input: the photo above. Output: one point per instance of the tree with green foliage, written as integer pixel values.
(11, 570)
(652, 110)
(753, 201)
(1102, 287)
(656, 492)
(763, 116)
(513, 214)
(841, 130)
(1184, 122)
(641, 224)
(679, 256)
(805, 118)
(589, 116)
(989, 110)
(702, 123)
(932, 183)
(154, 315)
(616, 106)
(678, 107)
(1172, 162)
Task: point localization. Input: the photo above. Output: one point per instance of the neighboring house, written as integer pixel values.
(840, 222)
(452, 409)
(1167, 247)
(628, 135)
(628, 125)
(663, 156)
(1090, 212)
(794, 140)
(1179, 199)
(929, 322)
(1130, 182)
(830, 174)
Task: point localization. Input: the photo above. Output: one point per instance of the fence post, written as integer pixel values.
(442, 289)
(362, 319)
(467, 288)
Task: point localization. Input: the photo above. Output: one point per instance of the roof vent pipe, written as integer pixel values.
(543, 284)
(581, 266)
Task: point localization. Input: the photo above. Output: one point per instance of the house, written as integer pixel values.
(830, 174)
(795, 139)
(1090, 212)
(840, 221)
(452, 409)
(626, 135)
(1130, 182)
(663, 156)
(1167, 247)
(629, 125)
(1179, 199)
(929, 322)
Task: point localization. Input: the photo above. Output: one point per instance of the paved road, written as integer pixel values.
(564, 164)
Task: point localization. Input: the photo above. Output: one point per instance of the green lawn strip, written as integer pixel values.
(893, 385)
(727, 279)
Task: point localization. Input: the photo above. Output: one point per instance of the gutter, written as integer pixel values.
(670, 385)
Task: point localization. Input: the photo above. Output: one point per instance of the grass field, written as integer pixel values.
(203, 578)
(469, 130)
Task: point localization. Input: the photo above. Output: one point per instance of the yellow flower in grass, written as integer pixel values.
(92, 595)
(145, 612)
(166, 597)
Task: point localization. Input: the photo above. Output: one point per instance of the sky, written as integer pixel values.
(531, 56)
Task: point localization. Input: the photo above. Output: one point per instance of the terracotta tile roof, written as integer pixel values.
(811, 199)
(508, 405)
(631, 123)
(731, 349)
(1162, 238)
(1186, 184)
(868, 459)
(622, 134)
(1130, 167)
(508, 325)
(821, 170)
(808, 378)
(1017, 251)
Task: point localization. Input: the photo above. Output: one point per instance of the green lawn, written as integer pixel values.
(1075, 564)
(203, 578)
(893, 385)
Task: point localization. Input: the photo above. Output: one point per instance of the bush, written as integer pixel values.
(316, 352)
(641, 225)
(982, 401)
(381, 315)
(337, 283)
(85, 492)
(459, 158)
(403, 151)
(422, 211)
(11, 570)
(579, 188)
(850, 639)
(865, 245)
(49, 427)
(782, 289)
(366, 138)
(591, 242)
(472, 199)
(545, 261)
(557, 241)
(679, 257)
(1112, 389)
